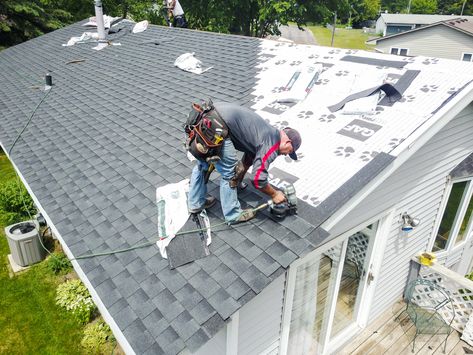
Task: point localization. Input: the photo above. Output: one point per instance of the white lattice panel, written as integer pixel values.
(462, 298)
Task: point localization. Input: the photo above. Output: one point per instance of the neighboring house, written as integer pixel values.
(451, 39)
(388, 24)
(110, 131)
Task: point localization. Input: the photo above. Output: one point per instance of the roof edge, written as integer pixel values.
(103, 310)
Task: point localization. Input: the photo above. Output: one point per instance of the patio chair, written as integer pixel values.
(430, 308)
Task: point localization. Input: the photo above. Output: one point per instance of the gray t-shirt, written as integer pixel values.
(251, 134)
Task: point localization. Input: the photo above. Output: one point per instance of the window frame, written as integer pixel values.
(459, 217)
(463, 55)
(398, 51)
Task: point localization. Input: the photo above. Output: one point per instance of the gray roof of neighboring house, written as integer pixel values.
(463, 25)
(111, 130)
(418, 19)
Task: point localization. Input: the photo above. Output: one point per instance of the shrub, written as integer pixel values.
(74, 296)
(58, 263)
(98, 338)
(16, 204)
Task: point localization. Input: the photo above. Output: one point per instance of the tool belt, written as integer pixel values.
(206, 131)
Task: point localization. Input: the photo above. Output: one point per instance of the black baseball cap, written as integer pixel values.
(296, 140)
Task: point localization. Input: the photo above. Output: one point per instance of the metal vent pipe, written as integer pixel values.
(99, 19)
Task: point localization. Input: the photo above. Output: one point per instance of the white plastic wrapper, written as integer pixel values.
(189, 63)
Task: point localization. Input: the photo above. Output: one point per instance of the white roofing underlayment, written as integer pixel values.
(337, 145)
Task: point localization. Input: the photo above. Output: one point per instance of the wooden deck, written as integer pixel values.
(391, 334)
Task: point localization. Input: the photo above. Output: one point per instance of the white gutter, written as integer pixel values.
(103, 310)
(414, 142)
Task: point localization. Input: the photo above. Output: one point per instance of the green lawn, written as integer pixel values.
(344, 38)
(30, 321)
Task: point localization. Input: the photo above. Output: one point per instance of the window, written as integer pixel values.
(399, 51)
(466, 57)
(456, 220)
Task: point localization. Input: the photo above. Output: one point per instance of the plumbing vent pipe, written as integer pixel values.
(99, 19)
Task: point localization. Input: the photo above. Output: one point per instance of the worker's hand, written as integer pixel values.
(278, 197)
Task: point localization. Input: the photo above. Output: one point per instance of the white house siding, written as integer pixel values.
(438, 41)
(260, 321)
(417, 187)
(380, 26)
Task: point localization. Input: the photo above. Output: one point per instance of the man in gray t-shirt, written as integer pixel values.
(261, 143)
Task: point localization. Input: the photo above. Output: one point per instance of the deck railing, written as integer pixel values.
(460, 290)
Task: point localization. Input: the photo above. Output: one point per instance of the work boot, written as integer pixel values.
(209, 202)
(245, 216)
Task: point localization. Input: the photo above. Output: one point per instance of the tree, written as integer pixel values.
(423, 7)
(254, 17)
(21, 20)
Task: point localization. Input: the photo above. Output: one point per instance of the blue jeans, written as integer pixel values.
(226, 167)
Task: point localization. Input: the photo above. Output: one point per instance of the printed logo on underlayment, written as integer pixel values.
(280, 179)
(277, 108)
(359, 130)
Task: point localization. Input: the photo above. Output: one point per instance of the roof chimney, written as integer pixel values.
(99, 19)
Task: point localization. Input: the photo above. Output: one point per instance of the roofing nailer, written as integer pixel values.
(280, 211)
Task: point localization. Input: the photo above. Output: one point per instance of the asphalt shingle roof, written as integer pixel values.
(107, 135)
(111, 130)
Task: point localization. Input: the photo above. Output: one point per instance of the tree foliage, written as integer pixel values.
(21, 20)
(423, 7)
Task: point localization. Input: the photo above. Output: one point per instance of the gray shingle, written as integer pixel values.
(142, 339)
(197, 340)
(234, 261)
(266, 264)
(202, 312)
(255, 279)
(204, 284)
(168, 305)
(97, 179)
(188, 296)
(170, 342)
(223, 303)
(237, 289)
(224, 276)
(248, 249)
(155, 323)
(185, 326)
(213, 325)
(141, 303)
(281, 254)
